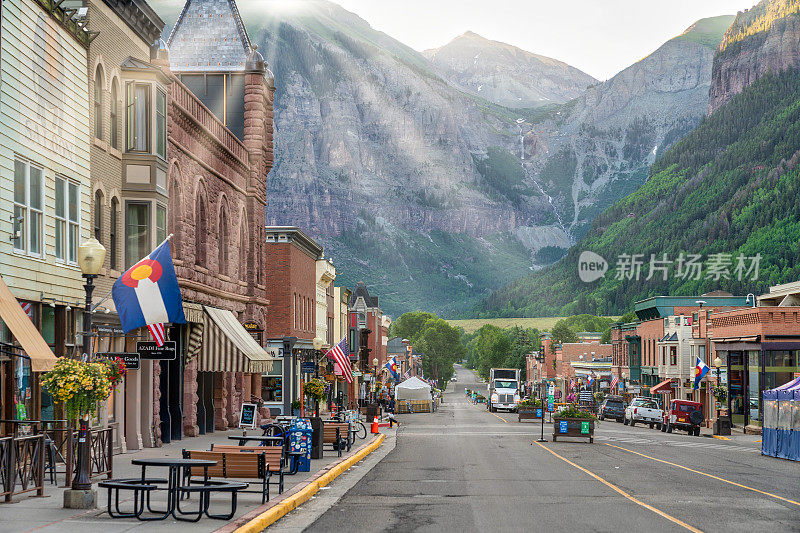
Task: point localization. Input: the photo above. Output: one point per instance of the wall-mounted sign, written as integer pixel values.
(357, 373)
(131, 360)
(251, 326)
(108, 330)
(562, 426)
(150, 350)
(308, 367)
(247, 416)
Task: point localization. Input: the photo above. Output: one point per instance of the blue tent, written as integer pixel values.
(781, 429)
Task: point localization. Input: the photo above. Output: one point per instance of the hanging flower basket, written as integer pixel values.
(80, 385)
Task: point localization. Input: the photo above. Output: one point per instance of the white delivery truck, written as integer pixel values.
(504, 389)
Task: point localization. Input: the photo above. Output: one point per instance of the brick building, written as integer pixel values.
(290, 270)
(128, 204)
(365, 335)
(219, 152)
(758, 349)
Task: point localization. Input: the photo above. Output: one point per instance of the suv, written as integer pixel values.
(685, 415)
(612, 407)
(643, 410)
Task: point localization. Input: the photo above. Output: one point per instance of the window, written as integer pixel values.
(67, 211)
(161, 124)
(114, 115)
(137, 232)
(223, 241)
(112, 234)
(98, 216)
(243, 250)
(98, 102)
(138, 117)
(673, 355)
(28, 200)
(161, 223)
(199, 233)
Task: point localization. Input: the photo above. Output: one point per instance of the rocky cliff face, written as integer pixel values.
(598, 147)
(764, 39)
(505, 74)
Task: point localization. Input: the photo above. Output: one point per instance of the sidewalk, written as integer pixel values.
(30, 513)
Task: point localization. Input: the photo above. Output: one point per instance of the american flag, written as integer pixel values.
(157, 331)
(339, 353)
(407, 374)
(614, 382)
(572, 383)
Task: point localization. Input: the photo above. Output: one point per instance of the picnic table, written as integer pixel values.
(177, 468)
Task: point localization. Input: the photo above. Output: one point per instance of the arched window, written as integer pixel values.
(223, 240)
(243, 248)
(200, 232)
(98, 102)
(112, 234)
(98, 216)
(113, 121)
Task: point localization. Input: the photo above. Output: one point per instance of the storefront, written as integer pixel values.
(280, 386)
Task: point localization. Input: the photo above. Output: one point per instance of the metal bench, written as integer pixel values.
(205, 488)
(138, 486)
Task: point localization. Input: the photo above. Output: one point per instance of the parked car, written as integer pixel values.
(454, 378)
(612, 407)
(685, 415)
(643, 410)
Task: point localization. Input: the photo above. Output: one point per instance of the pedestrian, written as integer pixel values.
(391, 404)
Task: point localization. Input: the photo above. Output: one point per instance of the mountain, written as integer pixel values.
(763, 39)
(417, 186)
(729, 187)
(598, 147)
(505, 74)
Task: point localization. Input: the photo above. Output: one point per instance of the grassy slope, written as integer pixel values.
(729, 186)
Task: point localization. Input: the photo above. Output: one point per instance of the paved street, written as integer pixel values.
(465, 469)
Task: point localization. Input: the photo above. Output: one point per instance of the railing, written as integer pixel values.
(21, 465)
(192, 106)
(101, 453)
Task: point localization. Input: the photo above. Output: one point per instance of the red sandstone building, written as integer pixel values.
(219, 152)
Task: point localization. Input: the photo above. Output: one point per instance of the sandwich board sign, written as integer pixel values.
(247, 416)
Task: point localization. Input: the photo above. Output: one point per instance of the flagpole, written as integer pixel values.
(104, 298)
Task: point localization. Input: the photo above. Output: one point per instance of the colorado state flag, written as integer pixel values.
(148, 292)
(391, 365)
(700, 370)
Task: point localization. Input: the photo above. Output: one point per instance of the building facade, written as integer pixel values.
(44, 173)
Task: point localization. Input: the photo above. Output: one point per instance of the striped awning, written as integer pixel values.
(228, 347)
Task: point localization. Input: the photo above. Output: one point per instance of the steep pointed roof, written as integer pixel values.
(209, 36)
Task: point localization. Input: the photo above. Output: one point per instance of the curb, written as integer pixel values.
(282, 508)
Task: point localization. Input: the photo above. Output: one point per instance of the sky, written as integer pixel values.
(600, 37)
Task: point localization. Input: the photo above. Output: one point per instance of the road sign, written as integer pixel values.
(131, 360)
(562, 426)
(585, 427)
(551, 390)
(308, 367)
(150, 350)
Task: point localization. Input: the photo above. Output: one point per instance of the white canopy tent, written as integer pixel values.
(412, 389)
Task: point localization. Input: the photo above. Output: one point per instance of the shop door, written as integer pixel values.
(737, 384)
(208, 400)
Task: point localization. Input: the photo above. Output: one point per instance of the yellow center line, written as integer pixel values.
(720, 437)
(491, 413)
(625, 494)
(708, 475)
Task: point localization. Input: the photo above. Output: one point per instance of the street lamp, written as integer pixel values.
(317, 352)
(91, 255)
(374, 378)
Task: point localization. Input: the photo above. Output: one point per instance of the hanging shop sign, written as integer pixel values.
(131, 360)
(150, 350)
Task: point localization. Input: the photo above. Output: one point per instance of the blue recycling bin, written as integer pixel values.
(300, 441)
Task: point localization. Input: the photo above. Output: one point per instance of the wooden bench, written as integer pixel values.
(336, 434)
(233, 465)
(275, 457)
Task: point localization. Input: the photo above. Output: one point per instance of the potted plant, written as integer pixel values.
(530, 409)
(296, 408)
(573, 422)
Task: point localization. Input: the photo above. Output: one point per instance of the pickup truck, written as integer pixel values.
(643, 410)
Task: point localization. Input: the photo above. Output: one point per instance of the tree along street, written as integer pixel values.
(465, 469)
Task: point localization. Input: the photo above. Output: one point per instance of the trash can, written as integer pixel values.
(300, 433)
(316, 438)
(722, 426)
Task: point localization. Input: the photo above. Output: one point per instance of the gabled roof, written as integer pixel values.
(209, 36)
(137, 65)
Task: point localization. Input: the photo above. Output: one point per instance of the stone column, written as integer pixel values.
(154, 428)
(220, 401)
(190, 427)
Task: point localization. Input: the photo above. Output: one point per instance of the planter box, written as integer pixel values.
(573, 427)
(530, 413)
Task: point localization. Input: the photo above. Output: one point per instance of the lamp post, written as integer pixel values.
(317, 351)
(624, 377)
(91, 255)
(374, 379)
